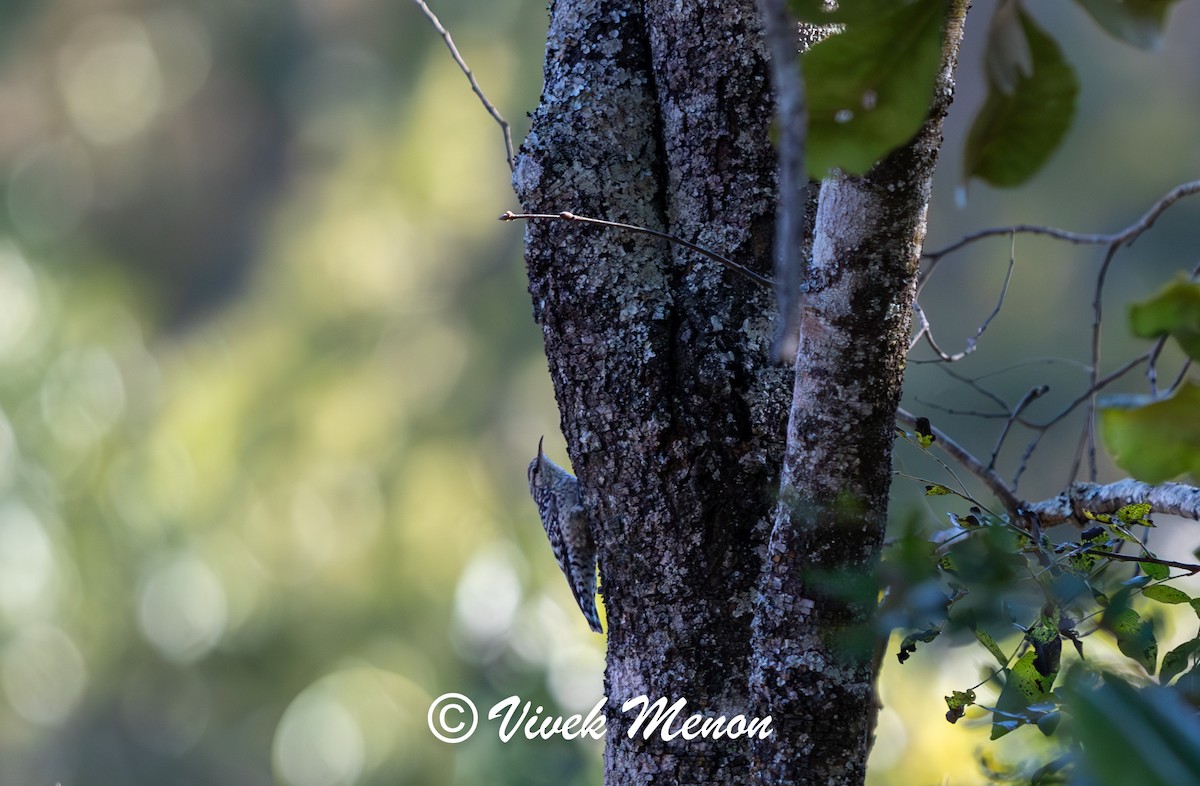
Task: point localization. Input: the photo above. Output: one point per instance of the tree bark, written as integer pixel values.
(677, 425)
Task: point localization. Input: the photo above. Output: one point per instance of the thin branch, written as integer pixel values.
(1187, 364)
(1087, 395)
(927, 331)
(1185, 566)
(973, 383)
(508, 215)
(969, 413)
(791, 114)
(963, 495)
(1033, 395)
(462, 65)
(1099, 385)
(1123, 237)
(1097, 324)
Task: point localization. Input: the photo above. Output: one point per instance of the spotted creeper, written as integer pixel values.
(568, 527)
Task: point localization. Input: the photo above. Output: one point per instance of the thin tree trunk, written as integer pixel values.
(814, 642)
(657, 113)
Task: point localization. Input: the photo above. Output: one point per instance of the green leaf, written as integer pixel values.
(1177, 660)
(1174, 311)
(1164, 594)
(990, 644)
(1157, 441)
(1137, 22)
(1016, 130)
(1024, 686)
(869, 87)
(1195, 604)
(1135, 636)
(1155, 571)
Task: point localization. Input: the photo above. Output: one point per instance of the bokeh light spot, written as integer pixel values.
(43, 675)
(183, 609)
(18, 300)
(27, 567)
(318, 742)
(83, 395)
(110, 78)
(576, 677)
(487, 597)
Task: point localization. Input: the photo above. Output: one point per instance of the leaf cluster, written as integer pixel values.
(870, 81)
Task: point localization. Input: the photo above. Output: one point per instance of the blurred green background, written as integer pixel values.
(269, 384)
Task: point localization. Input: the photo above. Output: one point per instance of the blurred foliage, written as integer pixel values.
(1127, 734)
(256, 507)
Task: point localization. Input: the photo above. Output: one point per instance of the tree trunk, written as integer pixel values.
(680, 430)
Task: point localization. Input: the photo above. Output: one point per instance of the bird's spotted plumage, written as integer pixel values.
(560, 505)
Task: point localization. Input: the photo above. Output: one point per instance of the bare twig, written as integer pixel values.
(1113, 555)
(508, 215)
(927, 331)
(1086, 396)
(791, 113)
(1097, 324)
(963, 495)
(462, 65)
(1123, 237)
(1113, 241)
(1026, 400)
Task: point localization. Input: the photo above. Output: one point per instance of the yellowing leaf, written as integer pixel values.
(1156, 441)
(1174, 311)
